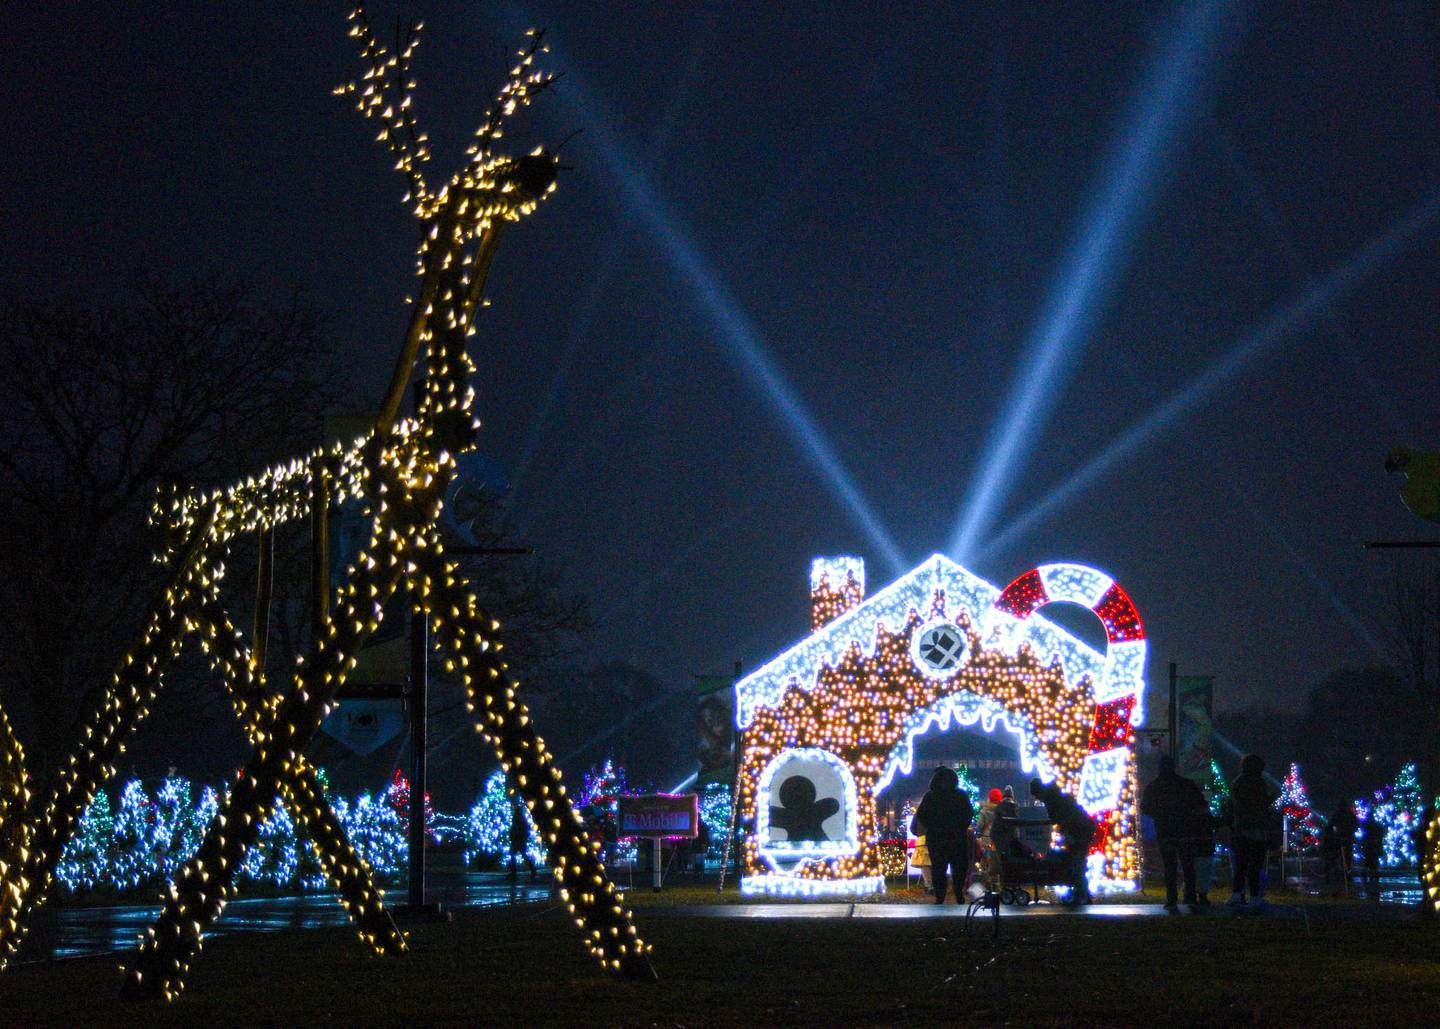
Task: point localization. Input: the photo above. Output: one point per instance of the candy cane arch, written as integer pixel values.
(1119, 694)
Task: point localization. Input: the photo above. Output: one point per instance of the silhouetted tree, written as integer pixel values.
(1413, 625)
(100, 404)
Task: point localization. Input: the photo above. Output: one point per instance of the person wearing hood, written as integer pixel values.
(1178, 808)
(1252, 804)
(944, 818)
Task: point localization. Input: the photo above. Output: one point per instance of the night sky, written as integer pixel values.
(899, 233)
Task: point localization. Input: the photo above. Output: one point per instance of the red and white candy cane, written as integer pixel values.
(1121, 686)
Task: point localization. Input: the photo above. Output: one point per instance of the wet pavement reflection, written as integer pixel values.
(64, 932)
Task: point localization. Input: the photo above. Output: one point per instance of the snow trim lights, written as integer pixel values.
(833, 571)
(800, 666)
(863, 686)
(966, 710)
(790, 886)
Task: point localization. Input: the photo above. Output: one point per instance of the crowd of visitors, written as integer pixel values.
(950, 849)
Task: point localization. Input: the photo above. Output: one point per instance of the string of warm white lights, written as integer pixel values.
(303, 796)
(1430, 870)
(14, 833)
(400, 471)
(462, 631)
(201, 890)
(136, 682)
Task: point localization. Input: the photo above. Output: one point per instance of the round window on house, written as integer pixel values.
(939, 648)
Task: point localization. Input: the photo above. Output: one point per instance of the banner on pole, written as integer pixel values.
(1194, 699)
(715, 728)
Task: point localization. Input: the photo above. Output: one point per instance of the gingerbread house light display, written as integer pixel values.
(829, 723)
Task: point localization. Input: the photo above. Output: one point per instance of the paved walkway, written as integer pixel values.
(920, 909)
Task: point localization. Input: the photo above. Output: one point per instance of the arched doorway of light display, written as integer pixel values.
(812, 811)
(939, 647)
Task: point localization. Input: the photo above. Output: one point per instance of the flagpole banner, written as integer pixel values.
(1195, 727)
(715, 728)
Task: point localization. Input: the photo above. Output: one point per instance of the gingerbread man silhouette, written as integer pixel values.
(800, 814)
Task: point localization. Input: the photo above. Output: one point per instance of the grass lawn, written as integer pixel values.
(1332, 963)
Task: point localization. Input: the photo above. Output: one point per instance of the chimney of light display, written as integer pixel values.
(836, 585)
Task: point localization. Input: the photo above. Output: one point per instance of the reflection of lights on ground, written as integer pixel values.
(1123, 193)
(73, 932)
(1279, 326)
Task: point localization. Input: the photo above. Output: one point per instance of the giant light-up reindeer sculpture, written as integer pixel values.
(400, 471)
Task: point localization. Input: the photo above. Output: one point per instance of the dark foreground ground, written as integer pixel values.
(1319, 963)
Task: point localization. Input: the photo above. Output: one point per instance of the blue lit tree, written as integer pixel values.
(487, 829)
(1398, 807)
(132, 851)
(85, 864)
(275, 858)
(377, 833)
(174, 831)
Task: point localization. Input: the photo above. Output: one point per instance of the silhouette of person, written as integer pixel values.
(800, 814)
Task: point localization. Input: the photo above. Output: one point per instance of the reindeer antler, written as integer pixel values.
(522, 85)
(384, 91)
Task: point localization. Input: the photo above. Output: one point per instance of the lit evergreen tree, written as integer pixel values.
(132, 852)
(377, 833)
(1301, 826)
(1401, 807)
(969, 785)
(173, 825)
(85, 864)
(600, 792)
(275, 858)
(398, 797)
(487, 830)
(715, 813)
(1217, 790)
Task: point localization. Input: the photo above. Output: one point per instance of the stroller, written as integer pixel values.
(1014, 876)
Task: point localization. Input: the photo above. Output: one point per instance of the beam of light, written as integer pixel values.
(609, 256)
(744, 343)
(1281, 325)
(579, 332)
(614, 727)
(1124, 192)
(1383, 405)
(1322, 586)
